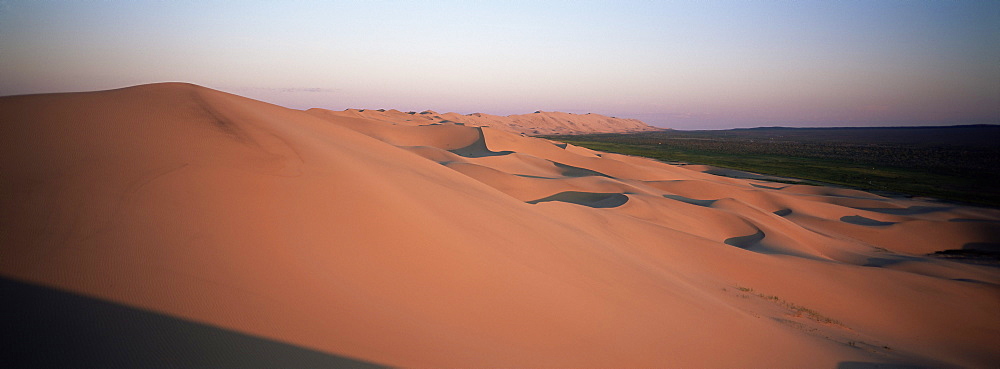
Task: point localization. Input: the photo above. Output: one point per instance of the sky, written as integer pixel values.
(675, 64)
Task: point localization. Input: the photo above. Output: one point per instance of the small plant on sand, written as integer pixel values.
(768, 297)
(798, 310)
(811, 314)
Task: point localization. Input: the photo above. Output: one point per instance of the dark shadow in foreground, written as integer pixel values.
(48, 328)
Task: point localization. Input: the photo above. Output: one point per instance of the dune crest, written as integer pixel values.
(537, 123)
(422, 243)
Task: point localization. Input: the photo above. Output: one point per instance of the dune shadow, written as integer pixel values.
(783, 212)
(49, 328)
(478, 148)
(913, 210)
(745, 242)
(862, 221)
(896, 259)
(869, 365)
(976, 281)
(768, 187)
(705, 203)
(591, 199)
(532, 176)
(571, 171)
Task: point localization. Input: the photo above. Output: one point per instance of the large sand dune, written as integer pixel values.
(537, 123)
(429, 244)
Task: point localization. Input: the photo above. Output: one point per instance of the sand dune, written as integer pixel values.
(408, 240)
(537, 123)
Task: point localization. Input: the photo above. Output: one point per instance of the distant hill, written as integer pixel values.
(537, 123)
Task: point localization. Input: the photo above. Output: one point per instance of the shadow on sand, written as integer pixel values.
(862, 221)
(49, 328)
(745, 242)
(478, 148)
(866, 365)
(913, 210)
(591, 199)
(571, 171)
(705, 203)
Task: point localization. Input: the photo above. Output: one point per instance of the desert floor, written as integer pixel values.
(402, 243)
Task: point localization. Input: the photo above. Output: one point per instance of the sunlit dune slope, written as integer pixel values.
(431, 244)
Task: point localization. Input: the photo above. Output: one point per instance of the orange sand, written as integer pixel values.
(415, 245)
(537, 123)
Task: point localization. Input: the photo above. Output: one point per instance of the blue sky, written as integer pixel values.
(680, 64)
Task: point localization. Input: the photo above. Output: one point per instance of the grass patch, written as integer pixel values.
(961, 169)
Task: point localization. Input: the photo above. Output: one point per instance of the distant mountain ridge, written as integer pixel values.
(537, 123)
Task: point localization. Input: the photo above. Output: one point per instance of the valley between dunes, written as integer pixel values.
(413, 243)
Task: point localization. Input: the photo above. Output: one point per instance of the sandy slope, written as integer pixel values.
(537, 123)
(454, 246)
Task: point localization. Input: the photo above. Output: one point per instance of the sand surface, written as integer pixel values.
(431, 244)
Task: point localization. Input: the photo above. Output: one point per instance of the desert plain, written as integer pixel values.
(431, 240)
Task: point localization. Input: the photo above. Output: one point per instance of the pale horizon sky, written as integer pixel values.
(676, 64)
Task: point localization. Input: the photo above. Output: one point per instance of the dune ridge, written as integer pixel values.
(537, 123)
(421, 243)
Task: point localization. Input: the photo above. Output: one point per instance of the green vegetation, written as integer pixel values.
(952, 163)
